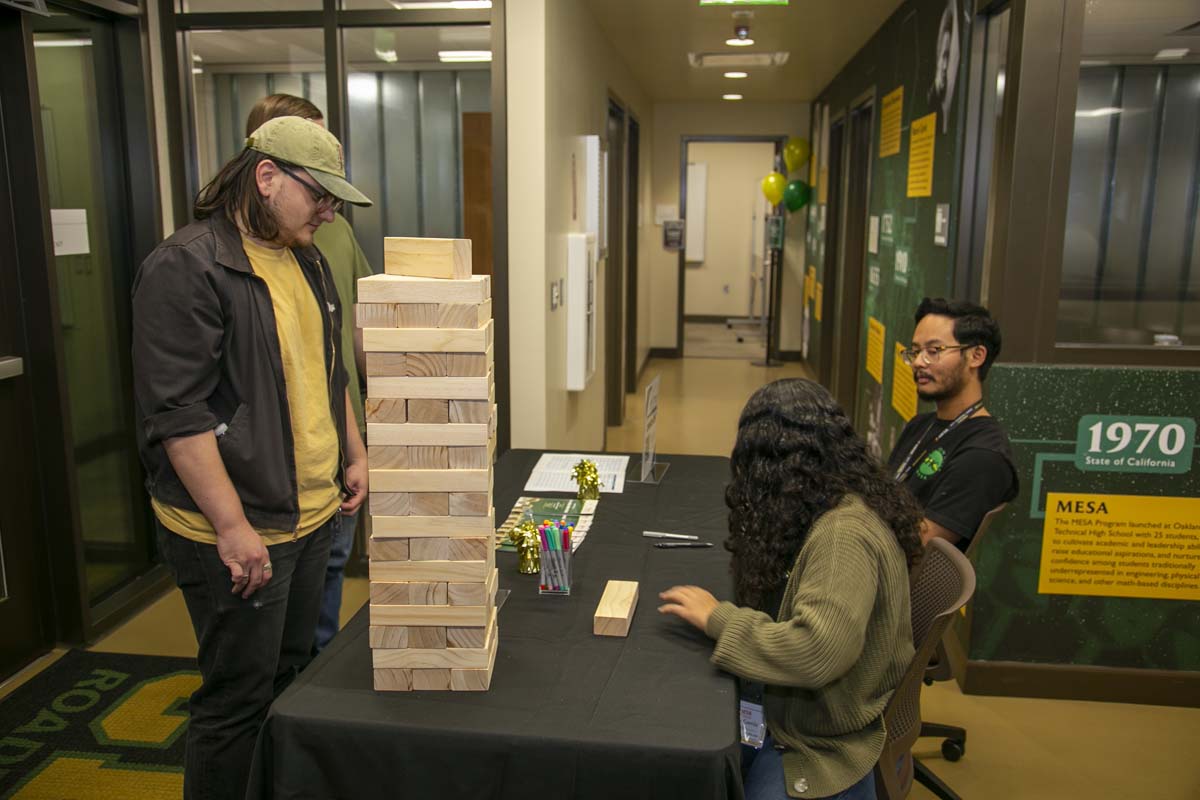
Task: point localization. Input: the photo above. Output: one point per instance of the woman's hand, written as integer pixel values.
(690, 603)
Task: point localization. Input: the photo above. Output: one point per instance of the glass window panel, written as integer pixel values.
(404, 129)
(1130, 261)
(234, 69)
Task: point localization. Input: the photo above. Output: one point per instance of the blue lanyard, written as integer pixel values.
(909, 462)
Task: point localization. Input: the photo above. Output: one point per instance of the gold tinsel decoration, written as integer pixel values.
(587, 477)
(529, 546)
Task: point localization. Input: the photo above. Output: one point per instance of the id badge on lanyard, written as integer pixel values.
(909, 462)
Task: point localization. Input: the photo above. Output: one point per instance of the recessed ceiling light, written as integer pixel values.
(731, 97)
(197, 71)
(62, 43)
(463, 56)
(737, 61)
(736, 74)
(739, 42)
(1170, 53)
(434, 5)
(1091, 113)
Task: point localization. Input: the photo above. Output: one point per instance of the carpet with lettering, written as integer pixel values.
(96, 726)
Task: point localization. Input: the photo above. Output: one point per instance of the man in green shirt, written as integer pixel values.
(336, 242)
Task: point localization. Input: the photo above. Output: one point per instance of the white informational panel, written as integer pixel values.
(593, 187)
(697, 211)
(580, 303)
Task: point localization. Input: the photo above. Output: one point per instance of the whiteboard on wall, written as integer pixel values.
(697, 211)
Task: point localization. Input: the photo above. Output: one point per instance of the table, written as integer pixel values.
(569, 714)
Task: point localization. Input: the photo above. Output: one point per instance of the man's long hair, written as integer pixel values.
(796, 457)
(234, 194)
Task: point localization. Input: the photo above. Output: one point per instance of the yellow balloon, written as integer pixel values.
(773, 186)
(795, 153)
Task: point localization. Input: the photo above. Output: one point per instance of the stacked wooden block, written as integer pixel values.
(427, 334)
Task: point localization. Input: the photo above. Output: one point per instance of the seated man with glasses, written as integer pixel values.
(955, 460)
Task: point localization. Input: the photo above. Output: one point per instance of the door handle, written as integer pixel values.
(11, 367)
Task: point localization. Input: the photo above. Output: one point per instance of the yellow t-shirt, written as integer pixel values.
(302, 344)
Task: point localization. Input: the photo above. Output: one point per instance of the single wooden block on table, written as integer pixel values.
(387, 409)
(615, 611)
(427, 257)
(414, 526)
(430, 480)
(387, 363)
(427, 340)
(404, 289)
(430, 388)
(389, 549)
(435, 434)
(463, 315)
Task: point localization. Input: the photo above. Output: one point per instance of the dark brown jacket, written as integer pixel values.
(206, 357)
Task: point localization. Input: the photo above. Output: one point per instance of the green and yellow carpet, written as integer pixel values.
(97, 726)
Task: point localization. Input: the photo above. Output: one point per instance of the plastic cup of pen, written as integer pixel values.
(556, 557)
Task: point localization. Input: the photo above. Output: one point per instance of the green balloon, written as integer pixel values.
(797, 195)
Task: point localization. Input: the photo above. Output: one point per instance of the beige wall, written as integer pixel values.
(720, 284)
(561, 72)
(672, 121)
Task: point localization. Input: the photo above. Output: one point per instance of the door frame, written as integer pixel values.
(75, 618)
(776, 289)
(834, 241)
(614, 266)
(633, 215)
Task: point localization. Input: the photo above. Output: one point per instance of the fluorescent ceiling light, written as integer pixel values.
(737, 60)
(1170, 54)
(62, 43)
(386, 55)
(438, 5)
(463, 56)
(736, 74)
(196, 58)
(197, 71)
(1106, 111)
(739, 42)
(731, 97)
(743, 2)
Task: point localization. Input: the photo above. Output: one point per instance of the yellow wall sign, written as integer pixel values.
(820, 301)
(890, 117)
(1113, 545)
(920, 156)
(904, 388)
(823, 186)
(875, 336)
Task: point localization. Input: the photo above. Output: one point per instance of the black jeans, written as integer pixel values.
(249, 650)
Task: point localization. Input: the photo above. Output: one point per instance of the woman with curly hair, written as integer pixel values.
(821, 541)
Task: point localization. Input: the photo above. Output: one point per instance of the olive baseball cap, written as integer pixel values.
(298, 141)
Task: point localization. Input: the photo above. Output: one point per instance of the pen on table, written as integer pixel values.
(661, 535)
(666, 545)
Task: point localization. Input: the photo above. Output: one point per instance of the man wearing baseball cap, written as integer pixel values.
(246, 430)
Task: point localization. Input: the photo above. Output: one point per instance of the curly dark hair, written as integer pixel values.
(795, 458)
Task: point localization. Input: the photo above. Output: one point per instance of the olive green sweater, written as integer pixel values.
(842, 643)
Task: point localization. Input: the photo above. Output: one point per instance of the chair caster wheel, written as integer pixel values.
(952, 750)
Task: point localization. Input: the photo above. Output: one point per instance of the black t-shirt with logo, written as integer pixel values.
(960, 478)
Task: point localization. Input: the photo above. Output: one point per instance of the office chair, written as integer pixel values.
(954, 745)
(944, 582)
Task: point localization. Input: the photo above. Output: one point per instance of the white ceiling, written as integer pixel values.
(1125, 31)
(365, 48)
(654, 38)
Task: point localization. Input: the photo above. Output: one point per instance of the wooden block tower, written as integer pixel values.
(431, 436)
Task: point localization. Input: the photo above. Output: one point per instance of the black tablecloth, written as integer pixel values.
(569, 714)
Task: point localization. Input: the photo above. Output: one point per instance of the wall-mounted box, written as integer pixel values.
(580, 302)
